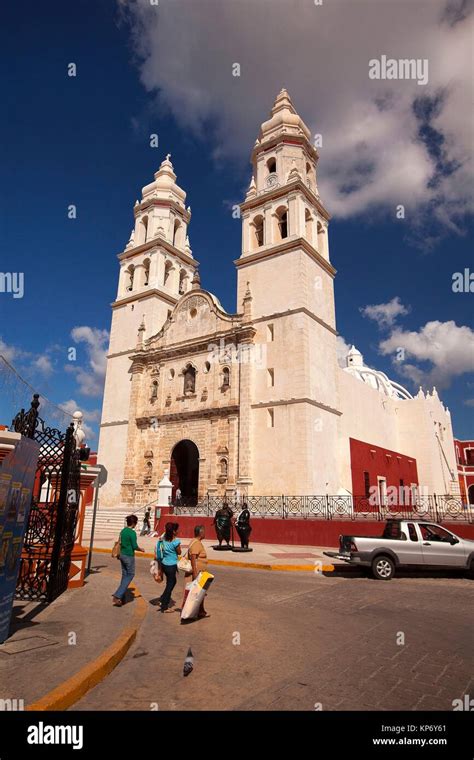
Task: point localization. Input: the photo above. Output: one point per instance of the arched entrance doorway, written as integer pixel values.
(184, 472)
(470, 495)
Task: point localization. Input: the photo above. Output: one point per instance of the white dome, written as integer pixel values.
(373, 377)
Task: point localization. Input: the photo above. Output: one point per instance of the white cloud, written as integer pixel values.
(374, 156)
(91, 380)
(342, 349)
(9, 352)
(385, 314)
(446, 347)
(70, 406)
(43, 365)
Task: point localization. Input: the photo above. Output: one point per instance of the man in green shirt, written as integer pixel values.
(128, 547)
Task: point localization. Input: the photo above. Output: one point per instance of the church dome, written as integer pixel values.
(164, 184)
(375, 378)
(283, 119)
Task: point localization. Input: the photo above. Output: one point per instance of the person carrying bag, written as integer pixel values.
(168, 551)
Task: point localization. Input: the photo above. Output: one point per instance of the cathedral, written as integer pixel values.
(253, 402)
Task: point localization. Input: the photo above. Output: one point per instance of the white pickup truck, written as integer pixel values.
(407, 543)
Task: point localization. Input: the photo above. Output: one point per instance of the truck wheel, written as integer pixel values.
(383, 568)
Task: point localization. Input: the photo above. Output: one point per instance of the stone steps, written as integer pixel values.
(107, 521)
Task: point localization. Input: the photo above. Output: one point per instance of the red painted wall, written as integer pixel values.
(465, 468)
(298, 532)
(378, 461)
(461, 448)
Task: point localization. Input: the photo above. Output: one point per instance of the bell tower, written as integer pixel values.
(286, 266)
(156, 269)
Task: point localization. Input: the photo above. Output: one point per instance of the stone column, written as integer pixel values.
(244, 476)
(133, 438)
(233, 446)
(268, 235)
(123, 280)
(213, 445)
(246, 232)
(159, 272)
(293, 222)
(139, 278)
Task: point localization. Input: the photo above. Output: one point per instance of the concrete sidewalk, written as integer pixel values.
(57, 652)
(263, 556)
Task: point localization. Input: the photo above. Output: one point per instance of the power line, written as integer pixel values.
(44, 398)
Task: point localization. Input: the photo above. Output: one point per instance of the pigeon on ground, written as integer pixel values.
(188, 663)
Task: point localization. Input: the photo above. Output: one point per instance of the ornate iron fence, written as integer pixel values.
(439, 508)
(49, 534)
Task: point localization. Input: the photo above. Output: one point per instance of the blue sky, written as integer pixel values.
(84, 140)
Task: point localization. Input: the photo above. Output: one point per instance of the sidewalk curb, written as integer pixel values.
(75, 687)
(252, 565)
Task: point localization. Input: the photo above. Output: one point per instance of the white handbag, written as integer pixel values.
(184, 563)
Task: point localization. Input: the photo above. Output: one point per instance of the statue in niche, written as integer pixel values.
(190, 380)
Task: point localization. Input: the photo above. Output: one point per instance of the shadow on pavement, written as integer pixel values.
(23, 615)
(348, 571)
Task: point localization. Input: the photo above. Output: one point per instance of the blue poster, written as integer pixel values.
(17, 477)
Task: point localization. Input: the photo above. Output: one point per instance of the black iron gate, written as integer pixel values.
(50, 531)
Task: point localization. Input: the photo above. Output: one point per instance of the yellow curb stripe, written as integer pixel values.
(71, 690)
(252, 565)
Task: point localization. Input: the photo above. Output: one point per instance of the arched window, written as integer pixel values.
(146, 278)
(176, 232)
(308, 223)
(321, 239)
(189, 379)
(226, 377)
(154, 390)
(271, 165)
(258, 236)
(148, 472)
(168, 268)
(310, 180)
(282, 223)
(142, 230)
(182, 282)
(131, 274)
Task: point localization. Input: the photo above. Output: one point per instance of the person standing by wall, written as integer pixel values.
(128, 547)
(146, 529)
(168, 549)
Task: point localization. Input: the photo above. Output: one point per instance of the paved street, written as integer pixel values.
(305, 640)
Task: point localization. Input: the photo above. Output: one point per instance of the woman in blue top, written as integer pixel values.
(168, 549)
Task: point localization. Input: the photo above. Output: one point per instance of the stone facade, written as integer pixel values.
(253, 401)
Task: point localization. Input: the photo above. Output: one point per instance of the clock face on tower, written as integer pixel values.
(272, 180)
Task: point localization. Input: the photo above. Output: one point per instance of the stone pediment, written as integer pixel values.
(197, 314)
